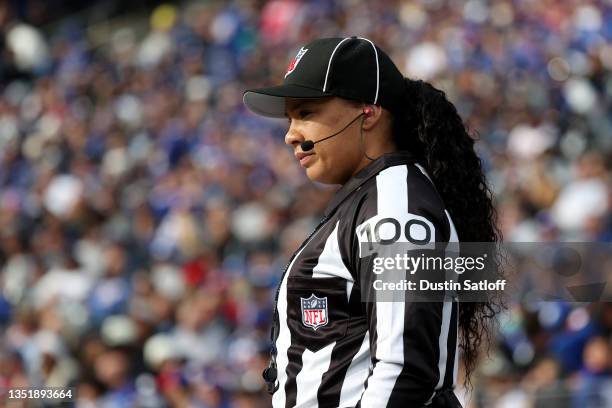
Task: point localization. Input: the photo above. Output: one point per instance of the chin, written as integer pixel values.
(319, 175)
(315, 176)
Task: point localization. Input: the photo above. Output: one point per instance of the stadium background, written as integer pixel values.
(146, 215)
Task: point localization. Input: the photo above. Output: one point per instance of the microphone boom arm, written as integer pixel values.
(309, 144)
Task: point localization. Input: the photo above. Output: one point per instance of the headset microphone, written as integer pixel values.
(309, 144)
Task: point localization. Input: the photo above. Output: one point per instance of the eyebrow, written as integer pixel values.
(297, 105)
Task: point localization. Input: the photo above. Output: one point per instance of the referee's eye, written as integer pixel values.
(303, 113)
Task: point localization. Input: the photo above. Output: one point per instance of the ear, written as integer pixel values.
(372, 116)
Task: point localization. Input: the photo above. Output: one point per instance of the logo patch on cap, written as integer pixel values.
(296, 61)
(314, 311)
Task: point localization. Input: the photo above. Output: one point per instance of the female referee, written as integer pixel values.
(401, 153)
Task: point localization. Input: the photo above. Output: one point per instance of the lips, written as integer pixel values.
(303, 158)
(301, 155)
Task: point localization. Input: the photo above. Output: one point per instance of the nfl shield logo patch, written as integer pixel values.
(296, 61)
(314, 311)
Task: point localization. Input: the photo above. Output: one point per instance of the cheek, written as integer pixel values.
(346, 147)
(339, 156)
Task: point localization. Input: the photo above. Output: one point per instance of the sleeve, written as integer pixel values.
(409, 340)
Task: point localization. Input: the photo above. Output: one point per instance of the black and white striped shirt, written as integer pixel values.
(333, 350)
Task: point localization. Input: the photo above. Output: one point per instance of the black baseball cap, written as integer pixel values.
(351, 68)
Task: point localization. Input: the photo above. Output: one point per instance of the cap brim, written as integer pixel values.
(270, 101)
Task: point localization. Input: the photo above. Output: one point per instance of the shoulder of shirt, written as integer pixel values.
(423, 198)
(424, 193)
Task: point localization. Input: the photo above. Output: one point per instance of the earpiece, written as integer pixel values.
(368, 111)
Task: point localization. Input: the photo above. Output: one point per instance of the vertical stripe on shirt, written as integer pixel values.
(392, 199)
(314, 365)
(353, 383)
(283, 341)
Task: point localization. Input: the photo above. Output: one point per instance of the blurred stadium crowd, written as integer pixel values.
(146, 215)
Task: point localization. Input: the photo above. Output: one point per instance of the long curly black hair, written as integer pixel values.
(431, 128)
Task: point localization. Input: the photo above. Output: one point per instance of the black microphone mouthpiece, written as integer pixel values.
(307, 145)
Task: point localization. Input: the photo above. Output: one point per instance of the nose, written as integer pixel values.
(293, 137)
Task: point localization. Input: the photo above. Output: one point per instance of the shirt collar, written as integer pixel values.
(369, 171)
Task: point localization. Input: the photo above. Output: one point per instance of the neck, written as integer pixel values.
(371, 153)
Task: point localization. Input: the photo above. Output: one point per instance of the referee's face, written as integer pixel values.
(335, 160)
